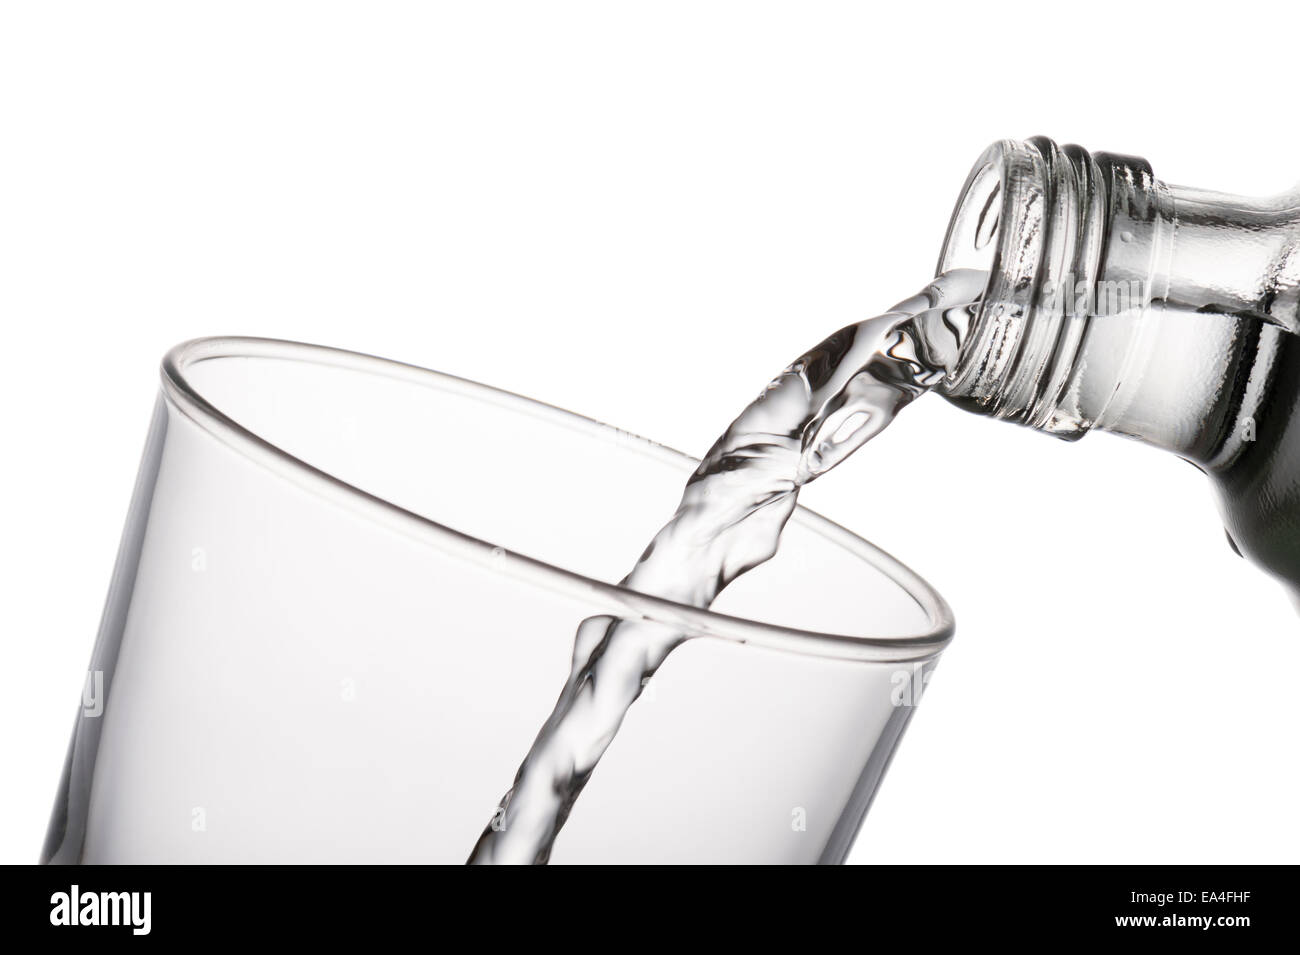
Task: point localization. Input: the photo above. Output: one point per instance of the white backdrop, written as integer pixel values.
(640, 212)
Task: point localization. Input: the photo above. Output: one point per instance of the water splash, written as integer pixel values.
(813, 415)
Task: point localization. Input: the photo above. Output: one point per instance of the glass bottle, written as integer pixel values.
(1118, 303)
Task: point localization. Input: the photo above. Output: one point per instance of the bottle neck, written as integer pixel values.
(1118, 303)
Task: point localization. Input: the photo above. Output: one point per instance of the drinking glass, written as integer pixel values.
(345, 603)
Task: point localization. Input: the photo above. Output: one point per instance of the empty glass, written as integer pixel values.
(346, 599)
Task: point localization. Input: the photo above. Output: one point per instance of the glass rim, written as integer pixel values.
(186, 398)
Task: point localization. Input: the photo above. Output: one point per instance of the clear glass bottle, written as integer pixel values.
(1118, 303)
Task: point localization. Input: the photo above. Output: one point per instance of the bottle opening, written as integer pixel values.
(1037, 217)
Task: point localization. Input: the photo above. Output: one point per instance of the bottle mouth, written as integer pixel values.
(1037, 217)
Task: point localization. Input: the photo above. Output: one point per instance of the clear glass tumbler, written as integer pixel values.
(345, 603)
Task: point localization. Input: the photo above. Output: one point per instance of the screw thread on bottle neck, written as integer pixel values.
(1066, 237)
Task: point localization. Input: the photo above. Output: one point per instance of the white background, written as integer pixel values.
(640, 212)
